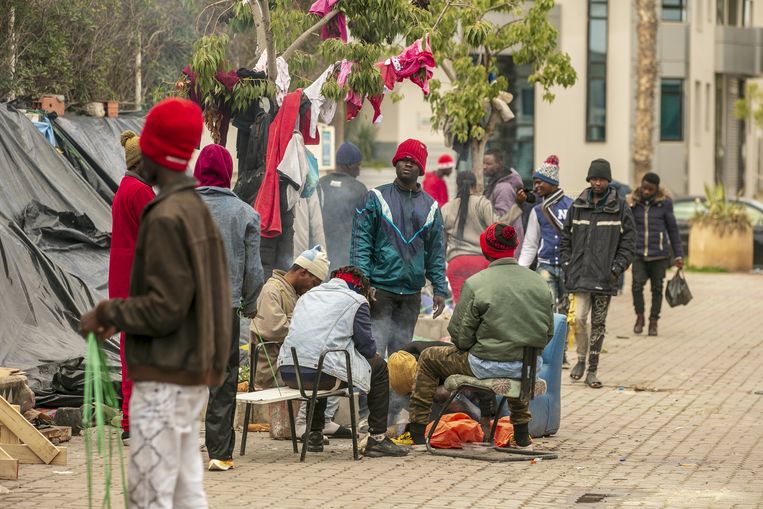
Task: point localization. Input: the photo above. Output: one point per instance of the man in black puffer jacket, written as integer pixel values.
(598, 244)
(655, 225)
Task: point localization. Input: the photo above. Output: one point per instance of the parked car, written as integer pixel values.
(685, 209)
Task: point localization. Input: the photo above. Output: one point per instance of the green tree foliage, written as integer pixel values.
(85, 49)
(466, 38)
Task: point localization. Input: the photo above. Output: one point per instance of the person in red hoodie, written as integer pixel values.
(132, 195)
(434, 181)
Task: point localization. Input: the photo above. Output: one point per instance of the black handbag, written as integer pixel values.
(677, 292)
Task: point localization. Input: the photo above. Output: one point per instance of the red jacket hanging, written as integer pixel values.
(268, 201)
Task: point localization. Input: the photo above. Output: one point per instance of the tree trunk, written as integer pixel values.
(258, 28)
(339, 123)
(476, 154)
(138, 76)
(269, 43)
(647, 73)
(477, 147)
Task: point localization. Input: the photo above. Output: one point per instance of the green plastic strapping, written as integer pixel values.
(100, 398)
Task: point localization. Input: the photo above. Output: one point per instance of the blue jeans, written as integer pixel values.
(554, 278)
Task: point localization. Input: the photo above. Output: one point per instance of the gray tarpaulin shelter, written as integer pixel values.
(55, 232)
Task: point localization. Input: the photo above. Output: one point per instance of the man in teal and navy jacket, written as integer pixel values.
(398, 241)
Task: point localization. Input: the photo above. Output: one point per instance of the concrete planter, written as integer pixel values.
(711, 246)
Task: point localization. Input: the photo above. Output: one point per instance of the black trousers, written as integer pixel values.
(393, 319)
(378, 395)
(220, 438)
(654, 272)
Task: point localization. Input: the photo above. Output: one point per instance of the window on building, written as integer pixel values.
(673, 10)
(596, 86)
(672, 109)
(735, 13)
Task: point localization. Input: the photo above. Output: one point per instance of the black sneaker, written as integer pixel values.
(386, 447)
(126, 438)
(315, 441)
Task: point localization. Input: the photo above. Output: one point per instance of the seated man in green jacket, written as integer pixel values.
(502, 309)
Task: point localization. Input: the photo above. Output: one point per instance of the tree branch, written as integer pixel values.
(213, 4)
(299, 41)
(497, 7)
(269, 43)
(447, 67)
(439, 18)
(258, 28)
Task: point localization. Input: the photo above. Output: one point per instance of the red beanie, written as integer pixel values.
(498, 241)
(214, 167)
(445, 161)
(412, 149)
(171, 133)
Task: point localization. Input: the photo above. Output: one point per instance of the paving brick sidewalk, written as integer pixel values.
(678, 424)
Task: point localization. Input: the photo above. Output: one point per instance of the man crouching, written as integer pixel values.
(336, 315)
(502, 309)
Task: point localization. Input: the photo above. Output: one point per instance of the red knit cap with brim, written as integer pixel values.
(415, 150)
(445, 161)
(498, 241)
(171, 133)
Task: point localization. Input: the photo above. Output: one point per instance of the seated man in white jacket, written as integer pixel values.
(336, 315)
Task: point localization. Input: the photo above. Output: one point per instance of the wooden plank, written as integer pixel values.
(7, 436)
(9, 467)
(57, 434)
(8, 372)
(27, 433)
(24, 454)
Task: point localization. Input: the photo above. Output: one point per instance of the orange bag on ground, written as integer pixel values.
(503, 432)
(454, 430)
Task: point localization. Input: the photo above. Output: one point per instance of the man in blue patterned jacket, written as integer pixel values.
(398, 241)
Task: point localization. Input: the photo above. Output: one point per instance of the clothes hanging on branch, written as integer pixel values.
(268, 202)
(283, 79)
(337, 27)
(415, 62)
(326, 108)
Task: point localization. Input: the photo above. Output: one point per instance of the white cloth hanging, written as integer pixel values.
(283, 79)
(319, 104)
(294, 166)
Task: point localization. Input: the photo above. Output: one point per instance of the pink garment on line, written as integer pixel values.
(353, 100)
(337, 27)
(415, 62)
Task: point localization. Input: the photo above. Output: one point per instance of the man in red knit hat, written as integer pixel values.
(434, 181)
(177, 318)
(488, 339)
(132, 196)
(398, 241)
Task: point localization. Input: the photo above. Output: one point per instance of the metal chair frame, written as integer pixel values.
(526, 393)
(310, 398)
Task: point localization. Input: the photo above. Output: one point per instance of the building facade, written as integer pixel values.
(708, 52)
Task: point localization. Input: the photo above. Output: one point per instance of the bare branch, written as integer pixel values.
(213, 4)
(299, 41)
(439, 18)
(447, 67)
(499, 6)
